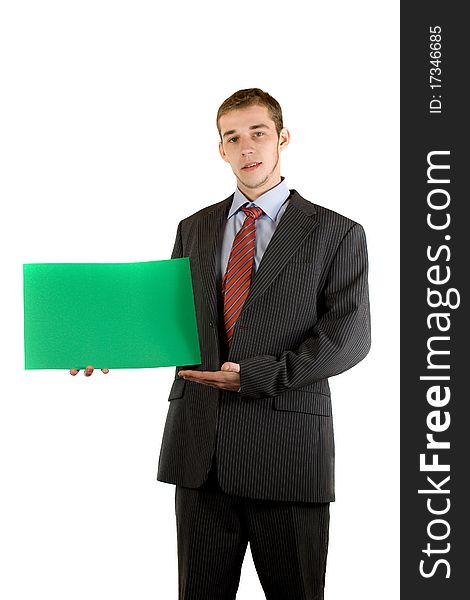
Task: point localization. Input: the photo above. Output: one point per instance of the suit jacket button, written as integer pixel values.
(211, 324)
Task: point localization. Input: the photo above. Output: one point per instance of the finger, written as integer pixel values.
(189, 372)
(201, 376)
(89, 371)
(196, 379)
(215, 379)
(207, 382)
(74, 371)
(198, 374)
(105, 371)
(230, 366)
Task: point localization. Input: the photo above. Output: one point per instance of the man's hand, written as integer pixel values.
(228, 378)
(88, 371)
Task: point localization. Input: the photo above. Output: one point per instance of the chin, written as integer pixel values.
(252, 185)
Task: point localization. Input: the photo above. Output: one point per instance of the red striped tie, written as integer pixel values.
(237, 278)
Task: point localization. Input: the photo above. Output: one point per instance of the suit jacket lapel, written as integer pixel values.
(296, 224)
(211, 227)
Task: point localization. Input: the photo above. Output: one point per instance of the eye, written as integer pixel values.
(259, 133)
(231, 140)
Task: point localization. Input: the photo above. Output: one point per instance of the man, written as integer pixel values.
(282, 304)
(280, 288)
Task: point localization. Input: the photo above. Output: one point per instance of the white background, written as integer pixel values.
(108, 139)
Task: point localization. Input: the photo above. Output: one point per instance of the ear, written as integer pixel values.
(284, 138)
(222, 152)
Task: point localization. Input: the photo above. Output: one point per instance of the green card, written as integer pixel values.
(109, 315)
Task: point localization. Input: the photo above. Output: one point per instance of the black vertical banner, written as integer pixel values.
(435, 331)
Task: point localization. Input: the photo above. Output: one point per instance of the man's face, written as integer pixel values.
(251, 146)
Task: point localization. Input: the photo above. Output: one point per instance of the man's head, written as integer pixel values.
(251, 138)
(250, 97)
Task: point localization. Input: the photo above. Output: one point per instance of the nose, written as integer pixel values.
(246, 146)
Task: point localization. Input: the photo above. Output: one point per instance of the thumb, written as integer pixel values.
(230, 366)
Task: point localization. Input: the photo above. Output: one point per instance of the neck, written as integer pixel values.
(254, 194)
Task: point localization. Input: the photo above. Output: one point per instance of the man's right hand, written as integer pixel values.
(88, 371)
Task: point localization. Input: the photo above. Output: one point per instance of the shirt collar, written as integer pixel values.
(270, 202)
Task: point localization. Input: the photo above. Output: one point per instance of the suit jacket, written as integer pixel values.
(306, 318)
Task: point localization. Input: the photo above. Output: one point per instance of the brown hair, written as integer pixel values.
(250, 97)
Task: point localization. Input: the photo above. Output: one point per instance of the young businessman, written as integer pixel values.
(280, 288)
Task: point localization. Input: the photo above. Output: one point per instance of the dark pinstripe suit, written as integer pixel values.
(306, 318)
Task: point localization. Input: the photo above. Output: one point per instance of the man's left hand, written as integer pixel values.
(228, 378)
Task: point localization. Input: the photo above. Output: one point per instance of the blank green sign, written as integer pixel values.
(114, 315)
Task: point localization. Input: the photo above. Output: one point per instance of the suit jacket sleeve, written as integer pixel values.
(339, 339)
(178, 247)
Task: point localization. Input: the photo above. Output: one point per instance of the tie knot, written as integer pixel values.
(252, 211)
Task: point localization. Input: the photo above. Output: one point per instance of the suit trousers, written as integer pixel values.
(288, 541)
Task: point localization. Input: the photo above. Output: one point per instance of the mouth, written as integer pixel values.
(251, 166)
